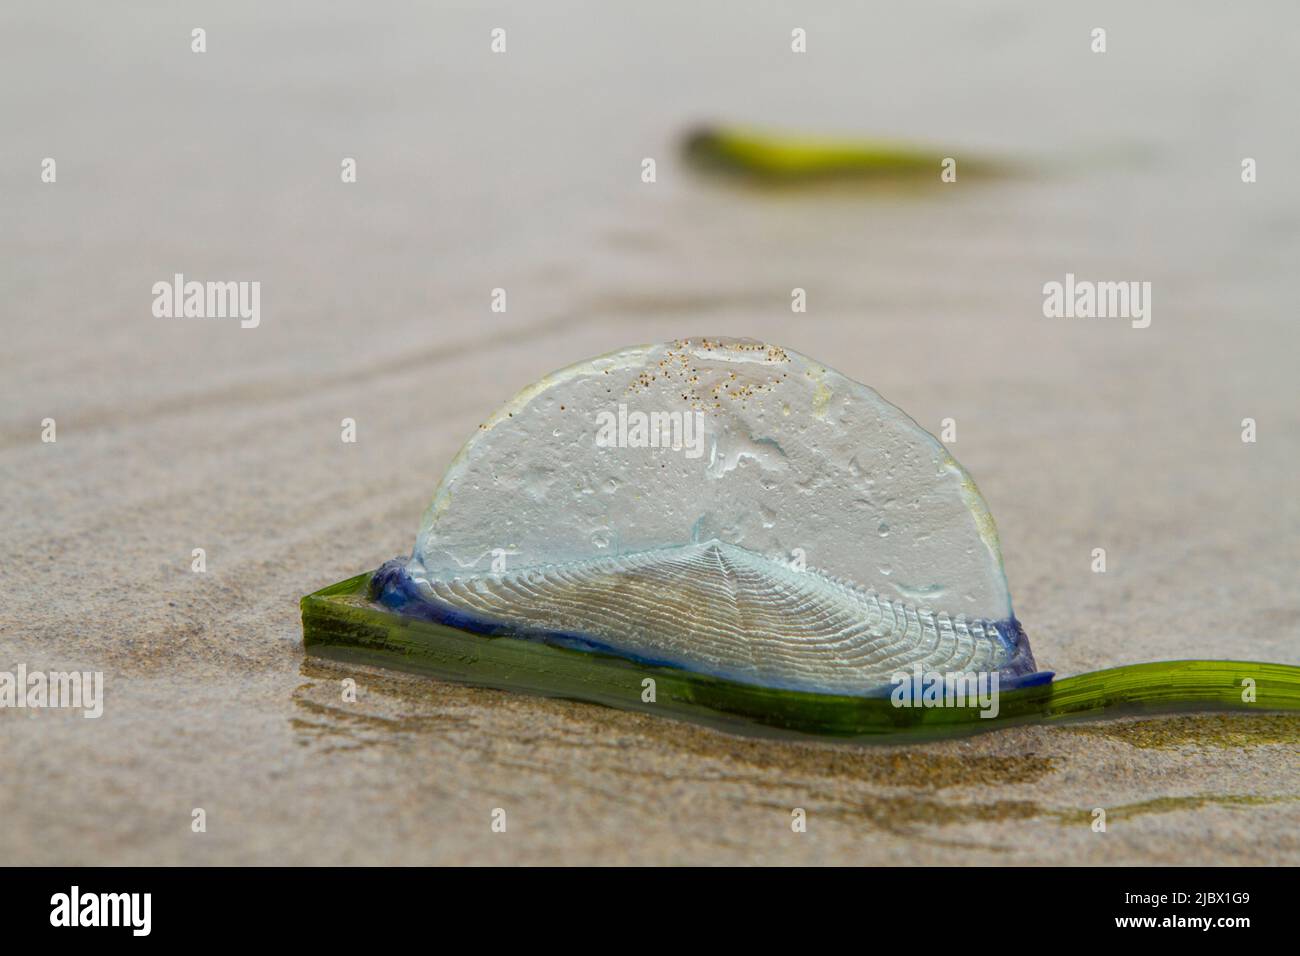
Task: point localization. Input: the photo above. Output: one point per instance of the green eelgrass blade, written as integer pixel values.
(340, 622)
(785, 160)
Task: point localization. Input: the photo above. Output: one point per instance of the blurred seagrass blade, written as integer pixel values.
(785, 160)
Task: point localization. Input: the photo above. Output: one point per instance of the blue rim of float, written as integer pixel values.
(393, 587)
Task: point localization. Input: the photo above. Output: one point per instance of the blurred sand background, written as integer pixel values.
(522, 171)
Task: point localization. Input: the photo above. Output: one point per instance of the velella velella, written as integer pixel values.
(727, 531)
(724, 506)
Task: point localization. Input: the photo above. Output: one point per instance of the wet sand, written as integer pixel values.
(523, 172)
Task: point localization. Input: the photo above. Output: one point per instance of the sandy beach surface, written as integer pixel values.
(522, 171)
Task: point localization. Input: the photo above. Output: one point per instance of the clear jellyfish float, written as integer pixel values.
(726, 531)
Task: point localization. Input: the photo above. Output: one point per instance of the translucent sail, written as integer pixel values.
(726, 506)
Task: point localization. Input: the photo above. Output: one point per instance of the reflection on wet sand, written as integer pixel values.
(925, 793)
